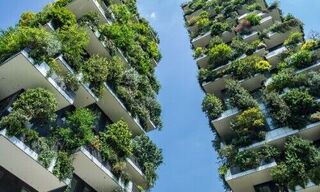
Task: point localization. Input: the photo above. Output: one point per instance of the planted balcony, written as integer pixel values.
(22, 71)
(280, 31)
(248, 70)
(244, 170)
(31, 110)
(82, 7)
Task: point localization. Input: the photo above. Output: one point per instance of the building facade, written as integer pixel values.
(78, 95)
(261, 80)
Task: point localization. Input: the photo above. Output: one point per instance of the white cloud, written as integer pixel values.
(153, 15)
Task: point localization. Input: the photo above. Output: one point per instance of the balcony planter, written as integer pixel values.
(20, 160)
(20, 72)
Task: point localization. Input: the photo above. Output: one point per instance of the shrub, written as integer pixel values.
(198, 52)
(247, 159)
(37, 103)
(263, 66)
(60, 17)
(91, 19)
(293, 39)
(281, 80)
(95, 71)
(309, 45)
(239, 97)
(300, 102)
(300, 160)
(254, 19)
(121, 12)
(78, 130)
(41, 43)
(220, 54)
(148, 156)
(74, 40)
(14, 123)
(246, 67)
(279, 110)
(118, 138)
(212, 106)
(249, 126)
(63, 168)
(219, 27)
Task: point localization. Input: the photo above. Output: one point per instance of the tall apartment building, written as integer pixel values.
(261, 79)
(78, 95)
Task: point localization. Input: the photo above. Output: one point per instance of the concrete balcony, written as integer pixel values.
(203, 61)
(314, 67)
(135, 172)
(223, 123)
(311, 187)
(98, 47)
(275, 39)
(21, 161)
(202, 40)
(111, 105)
(83, 7)
(227, 36)
(197, 13)
(274, 57)
(217, 86)
(244, 9)
(83, 96)
(21, 72)
(265, 23)
(89, 166)
(250, 37)
(277, 137)
(246, 180)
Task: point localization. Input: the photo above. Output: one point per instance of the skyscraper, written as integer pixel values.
(78, 95)
(261, 82)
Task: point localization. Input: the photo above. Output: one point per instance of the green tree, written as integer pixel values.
(212, 106)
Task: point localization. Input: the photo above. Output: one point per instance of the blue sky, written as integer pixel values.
(190, 162)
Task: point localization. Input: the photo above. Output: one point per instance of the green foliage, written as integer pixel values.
(278, 108)
(41, 43)
(239, 97)
(116, 69)
(78, 131)
(300, 59)
(212, 106)
(46, 154)
(91, 19)
(293, 39)
(118, 138)
(95, 71)
(148, 156)
(254, 19)
(248, 66)
(249, 126)
(36, 103)
(301, 160)
(14, 123)
(217, 28)
(310, 45)
(263, 66)
(300, 102)
(220, 54)
(63, 168)
(198, 52)
(139, 98)
(74, 39)
(59, 16)
(121, 12)
(288, 23)
(281, 80)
